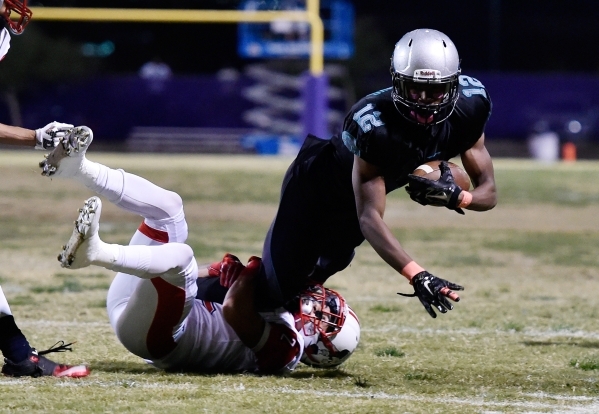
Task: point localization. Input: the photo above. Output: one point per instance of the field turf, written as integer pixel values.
(523, 339)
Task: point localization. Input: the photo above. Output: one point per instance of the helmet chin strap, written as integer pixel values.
(421, 119)
(413, 117)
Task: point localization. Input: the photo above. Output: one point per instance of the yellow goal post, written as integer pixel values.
(311, 16)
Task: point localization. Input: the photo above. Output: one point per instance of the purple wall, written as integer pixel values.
(113, 106)
(520, 101)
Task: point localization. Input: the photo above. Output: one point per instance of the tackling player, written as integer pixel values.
(333, 195)
(152, 303)
(20, 359)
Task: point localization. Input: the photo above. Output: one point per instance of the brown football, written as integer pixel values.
(431, 171)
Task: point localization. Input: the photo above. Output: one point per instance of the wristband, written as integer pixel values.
(466, 200)
(411, 269)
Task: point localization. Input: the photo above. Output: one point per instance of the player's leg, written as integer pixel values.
(291, 248)
(154, 290)
(293, 242)
(20, 359)
(309, 225)
(13, 344)
(136, 291)
(149, 311)
(128, 191)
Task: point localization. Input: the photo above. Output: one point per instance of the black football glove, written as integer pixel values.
(443, 192)
(433, 291)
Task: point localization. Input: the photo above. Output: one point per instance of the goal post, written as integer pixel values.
(316, 85)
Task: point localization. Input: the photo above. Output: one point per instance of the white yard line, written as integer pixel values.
(541, 401)
(530, 333)
(475, 332)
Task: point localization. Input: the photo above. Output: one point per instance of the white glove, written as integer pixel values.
(49, 136)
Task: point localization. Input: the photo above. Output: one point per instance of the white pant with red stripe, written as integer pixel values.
(155, 314)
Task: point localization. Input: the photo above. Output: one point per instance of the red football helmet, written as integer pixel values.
(330, 328)
(19, 8)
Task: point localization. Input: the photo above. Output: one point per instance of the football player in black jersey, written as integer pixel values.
(334, 193)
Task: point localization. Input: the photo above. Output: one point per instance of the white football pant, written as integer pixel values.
(155, 314)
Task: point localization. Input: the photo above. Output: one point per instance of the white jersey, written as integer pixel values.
(208, 343)
(4, 42)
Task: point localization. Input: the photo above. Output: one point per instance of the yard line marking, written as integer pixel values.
(544, 402)
(475, 331)
(529, 333)
(48, 323)
(592, 408)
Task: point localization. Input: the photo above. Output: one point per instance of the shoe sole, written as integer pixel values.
(76, 140)
(82, 225)
(78, 371)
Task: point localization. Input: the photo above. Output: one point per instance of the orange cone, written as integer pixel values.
(569, 152)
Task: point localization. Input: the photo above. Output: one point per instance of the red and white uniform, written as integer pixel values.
(151, 302)
(4, 42)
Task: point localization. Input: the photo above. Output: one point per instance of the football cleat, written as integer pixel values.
(85, 242)
(37, 365)
(66, 159)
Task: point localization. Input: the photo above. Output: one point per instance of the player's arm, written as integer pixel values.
(276, 346)
(41, 138)
(239, 310)
(11, 135)
(370, 196)
(479, 166)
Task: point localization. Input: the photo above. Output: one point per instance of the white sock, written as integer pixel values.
(101, 179)
(140, 197)
(133, 260)
(4, 308)
(148, 262)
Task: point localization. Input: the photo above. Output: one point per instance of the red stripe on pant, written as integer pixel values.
(157, 235)
(169, 309)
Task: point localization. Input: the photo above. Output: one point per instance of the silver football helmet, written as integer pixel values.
(425, 67)
(330, 328)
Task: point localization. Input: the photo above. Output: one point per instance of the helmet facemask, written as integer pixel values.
(428, 101)
(331, 330)
(321, 311)
(16, 8)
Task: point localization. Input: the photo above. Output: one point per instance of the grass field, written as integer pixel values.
(524, 338)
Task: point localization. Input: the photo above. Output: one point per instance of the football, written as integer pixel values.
(431, 171)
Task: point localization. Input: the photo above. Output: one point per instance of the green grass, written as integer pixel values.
(522, 339)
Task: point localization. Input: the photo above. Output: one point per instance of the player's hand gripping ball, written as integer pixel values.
(438, 183)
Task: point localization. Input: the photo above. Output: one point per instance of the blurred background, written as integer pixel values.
(240, 88)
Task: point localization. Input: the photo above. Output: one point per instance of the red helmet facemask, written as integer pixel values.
(19, 9)
(322, 311)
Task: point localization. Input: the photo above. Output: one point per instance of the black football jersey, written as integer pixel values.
(375, 131)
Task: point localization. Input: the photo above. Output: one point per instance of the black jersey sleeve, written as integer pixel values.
(473, 109)
(364, 132)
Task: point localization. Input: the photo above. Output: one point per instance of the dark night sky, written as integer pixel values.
(503, 35)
